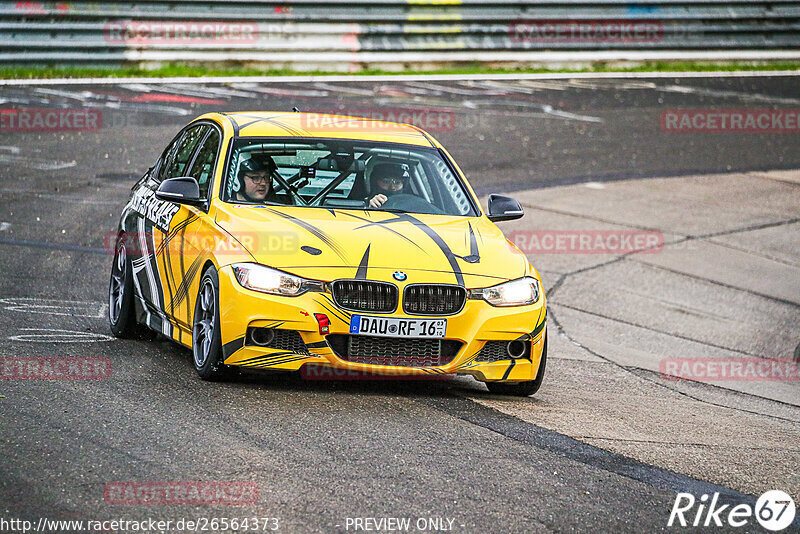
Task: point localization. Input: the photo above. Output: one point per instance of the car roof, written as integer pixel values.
(323, 125)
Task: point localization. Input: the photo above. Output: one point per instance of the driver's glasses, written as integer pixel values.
(260, 178)
(395, 181)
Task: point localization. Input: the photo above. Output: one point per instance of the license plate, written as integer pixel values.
(397, 327)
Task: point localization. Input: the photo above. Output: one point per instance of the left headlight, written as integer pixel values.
(268, 280)
(518, 292)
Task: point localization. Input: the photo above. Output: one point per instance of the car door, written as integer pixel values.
(157, 222)
(189, 235)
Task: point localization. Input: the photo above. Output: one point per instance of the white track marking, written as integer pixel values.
(205, 92)
(39, 165)
(550, 110)
(702, 91)
(544, 85)
(443, 89)
(339, 89)
(546, 110)
(31, 101)
(290, 91)
(50, 335)
(415, 90)
(72, 308)
(82, 96)
(141, 87)
(4, 226)
(510, 87)
(622, 85)
(143, 84)
(63, 198)
(15, 156)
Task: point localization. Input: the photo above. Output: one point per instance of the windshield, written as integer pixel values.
(344, 174)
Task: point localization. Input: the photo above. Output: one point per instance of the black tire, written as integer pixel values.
(121, 313)
(521, 389)
(206, 336)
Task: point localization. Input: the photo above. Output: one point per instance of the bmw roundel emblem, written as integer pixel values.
(399, 276)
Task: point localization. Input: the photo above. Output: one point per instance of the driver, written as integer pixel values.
(386, 180)
(255, 181)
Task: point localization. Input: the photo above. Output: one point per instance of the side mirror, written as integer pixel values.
(503, 208)
(181, 190)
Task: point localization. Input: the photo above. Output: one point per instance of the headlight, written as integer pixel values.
(272, 281)
(514, 293)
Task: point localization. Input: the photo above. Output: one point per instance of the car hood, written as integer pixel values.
(329, 244)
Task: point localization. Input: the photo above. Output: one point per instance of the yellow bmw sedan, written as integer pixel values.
(296, 241)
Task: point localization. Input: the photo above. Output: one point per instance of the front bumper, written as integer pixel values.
(477, 323)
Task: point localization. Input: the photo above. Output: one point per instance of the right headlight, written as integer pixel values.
(268, 280)
(519, 292)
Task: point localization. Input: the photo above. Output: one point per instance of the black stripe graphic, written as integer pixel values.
(273, 364)
(182, 291)
(270, 120)
(436, 238)
(361, 273)
(379, 223)
(538, 329)
(335, 313)
(474, 256)
(322, 236)
(372, 223)
(266, 357)
(336, 310)
(510, 367)
(232, 346)
(233, 123)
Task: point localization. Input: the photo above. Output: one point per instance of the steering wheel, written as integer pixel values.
(410, 203)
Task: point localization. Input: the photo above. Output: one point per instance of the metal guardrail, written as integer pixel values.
(343, 34)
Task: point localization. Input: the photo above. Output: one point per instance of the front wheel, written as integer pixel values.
(206, 336)
(121, 314)
(521, 389)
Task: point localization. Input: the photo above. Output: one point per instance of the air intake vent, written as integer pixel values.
(365, 296)
(400, 352)
(433, 299)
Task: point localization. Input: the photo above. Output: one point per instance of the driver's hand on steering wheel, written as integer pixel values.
(377, 201)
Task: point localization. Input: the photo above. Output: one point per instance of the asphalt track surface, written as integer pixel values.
(321, 452)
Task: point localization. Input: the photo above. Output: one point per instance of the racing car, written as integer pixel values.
(291, 241)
